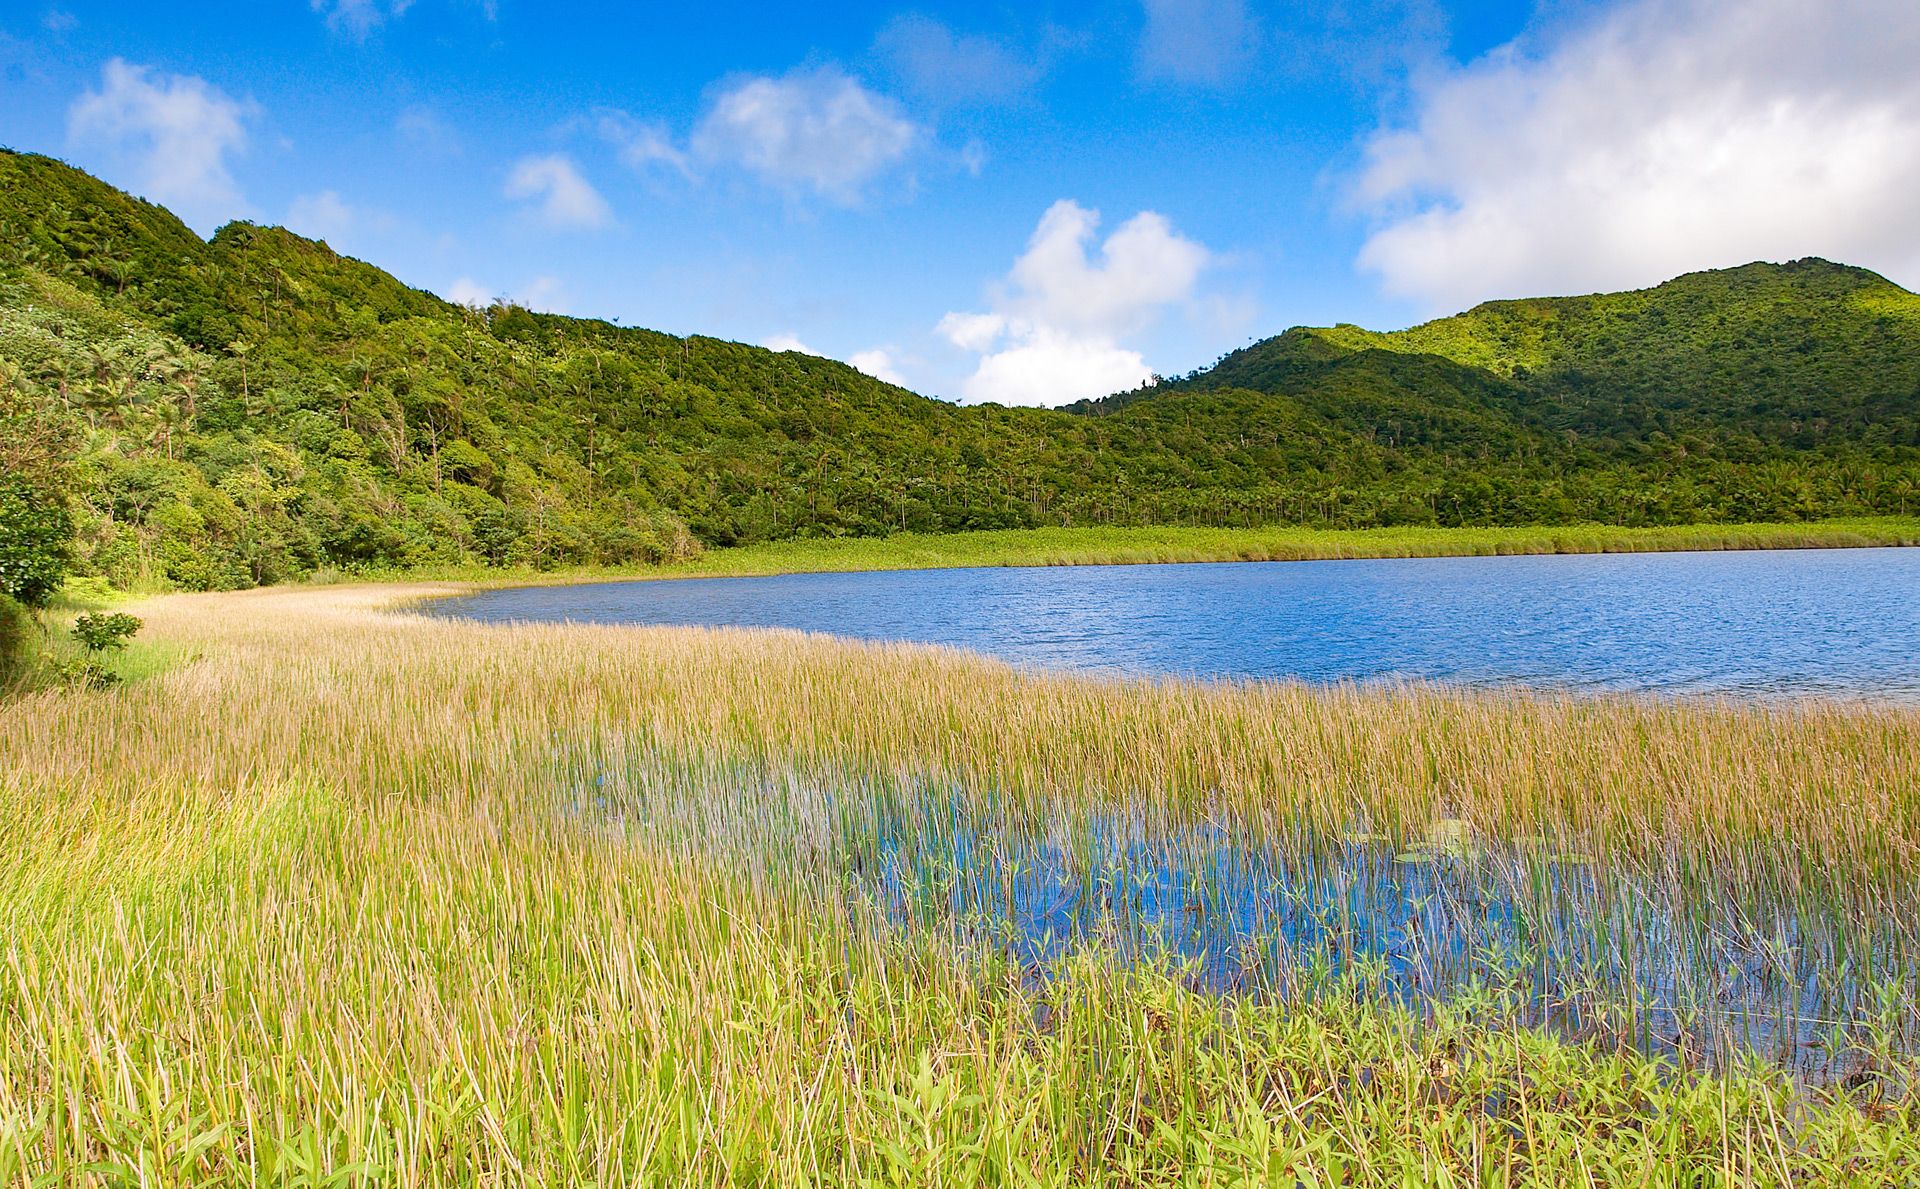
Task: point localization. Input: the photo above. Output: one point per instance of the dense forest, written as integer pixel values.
(253, 408)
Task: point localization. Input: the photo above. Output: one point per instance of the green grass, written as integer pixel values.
(366, 899)
(81, 594)
(55, 654)
(1123, 546)
(1129, 546)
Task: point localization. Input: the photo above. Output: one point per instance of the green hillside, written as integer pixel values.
(256, 407)
(1799, 355)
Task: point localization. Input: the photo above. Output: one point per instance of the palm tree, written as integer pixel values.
(239, 349)
(167, 419)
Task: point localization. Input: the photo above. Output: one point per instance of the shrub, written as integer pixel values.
(102, 632)
(98, 632)
(19, 642)
(36, 543)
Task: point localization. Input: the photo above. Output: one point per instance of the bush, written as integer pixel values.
(99, 633)
(36, 543)
(102, 632)
(19, 642)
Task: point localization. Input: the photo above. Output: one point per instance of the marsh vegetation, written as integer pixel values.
(403, 901)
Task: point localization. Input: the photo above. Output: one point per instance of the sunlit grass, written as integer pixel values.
(1126, 546)
(396, 900)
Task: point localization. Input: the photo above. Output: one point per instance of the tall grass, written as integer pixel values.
(1126, 546)
(366, 898)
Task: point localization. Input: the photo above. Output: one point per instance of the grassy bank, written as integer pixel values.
(1127, 546)
(413, 902)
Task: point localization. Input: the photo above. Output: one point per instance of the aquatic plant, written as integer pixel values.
(392, 900)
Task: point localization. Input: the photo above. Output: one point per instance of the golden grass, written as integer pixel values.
(325, 902)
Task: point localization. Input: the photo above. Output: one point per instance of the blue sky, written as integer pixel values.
(1021, 203)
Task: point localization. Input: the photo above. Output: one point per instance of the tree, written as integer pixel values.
(36, 543)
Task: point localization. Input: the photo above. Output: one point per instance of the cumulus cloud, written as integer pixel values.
(1197, 42)
(546, 294)
(641, 144)
(357, 18)
(1664, 136)
(468, 292)
(327, 216)
(173, 132)
(816, 129)
(321, 216)
(788, 341)
(1054, 332)
(947, 67)
(878, 363)
(562, 198)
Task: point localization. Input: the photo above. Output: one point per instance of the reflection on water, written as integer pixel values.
(1841, 622)
(1615, 957)
(1651, 950)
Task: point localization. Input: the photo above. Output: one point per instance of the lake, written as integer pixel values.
(1787, 623)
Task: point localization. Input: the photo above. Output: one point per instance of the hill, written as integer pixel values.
(1797, 355)
(253, 407)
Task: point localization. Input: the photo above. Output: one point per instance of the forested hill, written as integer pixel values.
(256, 407)
(1801, 355)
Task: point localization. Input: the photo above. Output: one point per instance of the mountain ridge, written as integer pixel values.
(254, 406)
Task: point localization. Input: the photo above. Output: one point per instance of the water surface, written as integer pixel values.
(1782, 623)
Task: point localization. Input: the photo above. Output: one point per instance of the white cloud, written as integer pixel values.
(973, 157)
(422, 129)
(972, 332)
(565, 200)
(468, 292)
(947, 67)
(1054, 332)
(321, 216)
(1197, 42)
(640, 143)
(1048, 367)
(815, 129)
(358, 18)
(1665, 136)
(878, 363)
(545, 294)
(173, 132)
(788, 341)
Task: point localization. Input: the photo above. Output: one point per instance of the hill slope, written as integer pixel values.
(1795, 355)
(254, 407)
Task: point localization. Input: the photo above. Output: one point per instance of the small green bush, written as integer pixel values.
(103, 632)
(99, 633)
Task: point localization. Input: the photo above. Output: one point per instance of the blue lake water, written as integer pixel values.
(1788, 623)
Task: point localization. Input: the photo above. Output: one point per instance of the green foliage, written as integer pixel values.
(1800, 355)
(19, 642)
(35, 549)
(256, 408)
(104, 631)
(98, 633)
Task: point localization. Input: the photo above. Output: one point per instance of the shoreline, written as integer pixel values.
(1050, 547)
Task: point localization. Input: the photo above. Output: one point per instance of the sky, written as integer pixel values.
(1026, 203)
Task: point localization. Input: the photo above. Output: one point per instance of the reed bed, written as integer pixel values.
(1097, 545)
(358, 897)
